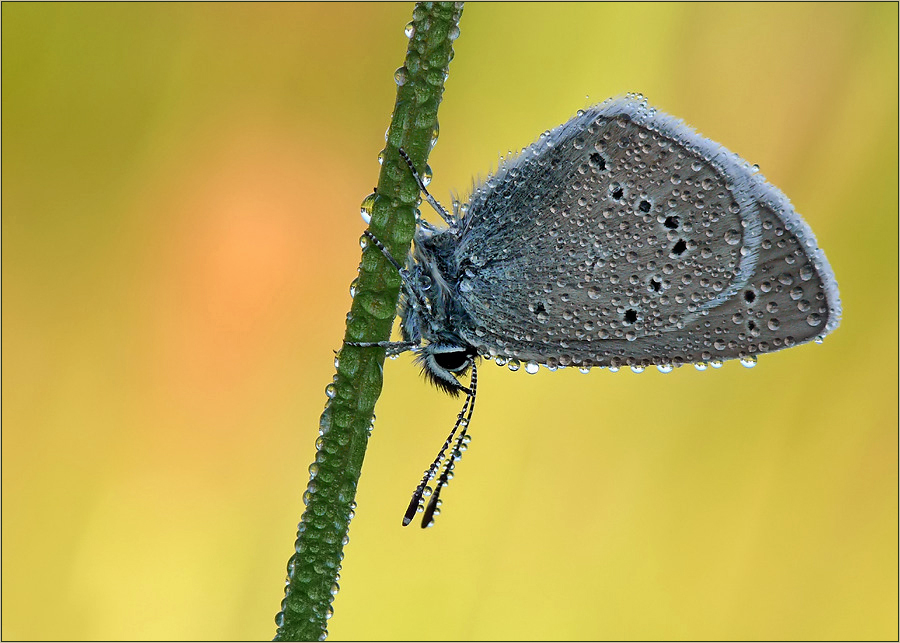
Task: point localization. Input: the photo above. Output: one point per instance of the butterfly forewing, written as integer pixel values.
(623, 237)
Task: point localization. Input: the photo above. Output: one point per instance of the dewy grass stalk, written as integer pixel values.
(313, 570)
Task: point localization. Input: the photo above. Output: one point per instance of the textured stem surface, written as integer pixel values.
(344, 427)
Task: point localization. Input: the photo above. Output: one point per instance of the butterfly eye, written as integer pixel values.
(453, 361)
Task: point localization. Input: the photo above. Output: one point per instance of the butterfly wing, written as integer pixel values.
(624, 237)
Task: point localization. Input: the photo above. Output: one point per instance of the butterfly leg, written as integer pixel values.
(417, 304)
(446, 216)
(414, 297)
(391, 348)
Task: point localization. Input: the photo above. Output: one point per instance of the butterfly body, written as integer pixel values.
(620, 238)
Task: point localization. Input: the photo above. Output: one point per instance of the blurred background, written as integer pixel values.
(181, 190)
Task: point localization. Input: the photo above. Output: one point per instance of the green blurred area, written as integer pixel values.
(179, 231)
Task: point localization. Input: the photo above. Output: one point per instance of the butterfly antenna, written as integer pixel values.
(419, 493)
(462, 419)
(433, 506)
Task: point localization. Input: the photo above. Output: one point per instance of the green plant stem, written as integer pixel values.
(344, 427)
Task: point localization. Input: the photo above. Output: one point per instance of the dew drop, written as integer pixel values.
(531, 367)
(637, 369)
(365, 208)
(400, 76)
(435, 134)
(513, 365)
(331, 390)
(749, 361)
(665, 368)
(410, 30)
(701, 366)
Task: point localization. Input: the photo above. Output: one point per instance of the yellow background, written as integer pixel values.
(181, 188)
